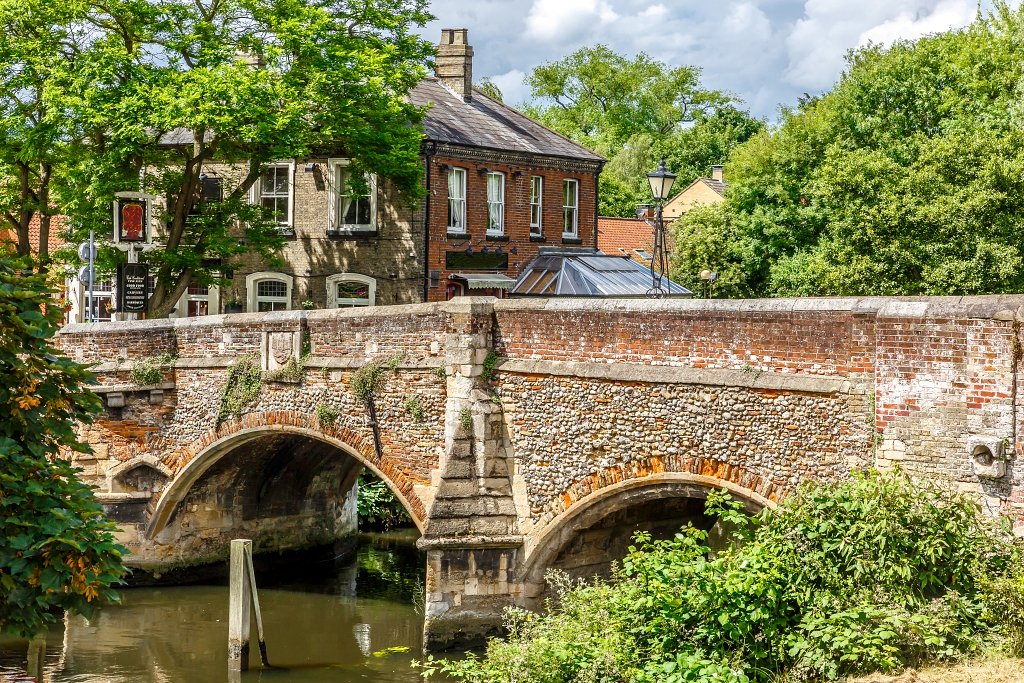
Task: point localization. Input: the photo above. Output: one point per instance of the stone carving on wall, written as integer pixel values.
(988, 456)
(279, 348)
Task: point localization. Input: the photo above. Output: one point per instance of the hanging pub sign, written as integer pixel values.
(131, 287)
(131, 216)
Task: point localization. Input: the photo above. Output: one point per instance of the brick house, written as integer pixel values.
(498, 187)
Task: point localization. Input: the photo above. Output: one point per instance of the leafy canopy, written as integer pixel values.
(635, 111)
(165, 94)
(56, 548)
(907, 178)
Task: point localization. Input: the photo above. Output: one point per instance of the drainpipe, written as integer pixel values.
(429, 149)
(597, 199)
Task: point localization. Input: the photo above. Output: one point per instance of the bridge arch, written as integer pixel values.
(595, 499)
(192, 463)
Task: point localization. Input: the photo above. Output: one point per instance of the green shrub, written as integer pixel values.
(874, 573)
(414, 407)
(146, 371)
(241, 388)
(326, 415)
(377, 506)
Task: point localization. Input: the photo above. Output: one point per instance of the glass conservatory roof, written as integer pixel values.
(588, 274)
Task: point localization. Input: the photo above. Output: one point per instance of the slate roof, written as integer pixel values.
(483, 122)
(716, 185)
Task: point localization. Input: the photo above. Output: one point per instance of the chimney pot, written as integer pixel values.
(717, 173)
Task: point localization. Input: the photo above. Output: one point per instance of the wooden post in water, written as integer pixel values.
(238, 606)
(36, 655)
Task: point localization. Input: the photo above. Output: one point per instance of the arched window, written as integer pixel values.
(350, 289)
(268, 291)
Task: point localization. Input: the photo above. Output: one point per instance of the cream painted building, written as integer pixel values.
(700, 191)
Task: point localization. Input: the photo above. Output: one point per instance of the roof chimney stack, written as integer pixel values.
(717, 174)
(454, 63)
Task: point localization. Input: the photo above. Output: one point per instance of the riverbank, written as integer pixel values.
(992, 670)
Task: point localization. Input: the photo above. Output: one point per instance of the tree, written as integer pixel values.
(182, 89)
(906, 178)
(57, 550)
(32, 137)
(636, 111)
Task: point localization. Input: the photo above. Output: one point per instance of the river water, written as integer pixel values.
(325, 622)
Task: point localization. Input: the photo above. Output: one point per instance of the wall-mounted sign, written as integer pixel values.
(131, 216)
(131, 287)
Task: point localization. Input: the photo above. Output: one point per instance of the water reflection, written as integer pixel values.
(357, 622)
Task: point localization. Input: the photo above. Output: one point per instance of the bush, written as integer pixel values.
(874, 573)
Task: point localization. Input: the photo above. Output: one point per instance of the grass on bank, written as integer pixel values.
(874, 574)
(989, 670)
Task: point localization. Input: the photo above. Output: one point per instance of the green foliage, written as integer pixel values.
(377, 506)
(466, 419)
(367, 380)
(414, 407)
(241, 387)
(490, 363)
(146, 371)
(291, 372)
(635, 111)
(906, 179)
(875, 573)
(326, 415)
(57, 550)
(241, 82)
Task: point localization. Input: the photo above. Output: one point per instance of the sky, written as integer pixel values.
(766, 52)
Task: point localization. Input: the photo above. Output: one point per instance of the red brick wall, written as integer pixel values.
(517, 214)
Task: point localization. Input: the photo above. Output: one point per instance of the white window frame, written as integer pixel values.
(252, 279)
(212, 300)
(257, 192)
(332, 290)
(574, 207)
(334, 204)
(537, 226)
(461, 201)
(497, 203)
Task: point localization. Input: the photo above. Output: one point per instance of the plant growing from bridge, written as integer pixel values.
(414, 406)
(147, 371)
(875, 573)
(241, 387)
(326, 415)
(57, 550)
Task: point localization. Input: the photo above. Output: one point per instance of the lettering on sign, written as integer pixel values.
(131, 287)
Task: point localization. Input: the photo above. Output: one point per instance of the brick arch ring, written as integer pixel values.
(593, 498)
(219, 442)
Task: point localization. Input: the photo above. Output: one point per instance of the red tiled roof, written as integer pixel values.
(56, 237)
(618, 236)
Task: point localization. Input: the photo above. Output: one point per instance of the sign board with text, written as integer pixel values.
(131, 287)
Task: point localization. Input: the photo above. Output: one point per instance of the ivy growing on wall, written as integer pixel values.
(242, 388)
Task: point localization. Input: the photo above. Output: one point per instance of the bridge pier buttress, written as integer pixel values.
(471, 535)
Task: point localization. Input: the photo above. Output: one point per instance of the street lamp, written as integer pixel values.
(661, 184)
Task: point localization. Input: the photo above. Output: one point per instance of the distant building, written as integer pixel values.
(499, 186)
(632, 237)
(700, 191)
(573, 273)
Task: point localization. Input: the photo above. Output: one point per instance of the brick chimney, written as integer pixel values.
(717, 174)
(454, 63)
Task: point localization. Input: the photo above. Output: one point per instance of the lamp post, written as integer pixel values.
(661, 184)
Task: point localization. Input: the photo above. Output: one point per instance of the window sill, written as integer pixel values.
(458, 235)
(538, 238)
(350, 234)
(286, 231)
(496, 237)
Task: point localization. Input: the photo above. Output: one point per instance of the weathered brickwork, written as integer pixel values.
(568, 431)
(514, 430)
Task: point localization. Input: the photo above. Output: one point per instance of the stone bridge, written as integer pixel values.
(522, 435)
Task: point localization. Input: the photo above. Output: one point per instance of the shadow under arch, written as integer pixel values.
(591, 509)
(215, 449)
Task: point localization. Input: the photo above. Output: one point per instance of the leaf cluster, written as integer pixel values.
(57, 550)
(242, 387)
(907, 178)
(875, 573)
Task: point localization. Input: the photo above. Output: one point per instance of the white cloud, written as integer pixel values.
(512, 86)
(564, 20)
(819, 40)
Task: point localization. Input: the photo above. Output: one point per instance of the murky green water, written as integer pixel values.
(324, 623)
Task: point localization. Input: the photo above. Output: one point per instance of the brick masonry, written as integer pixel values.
(588, 405)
